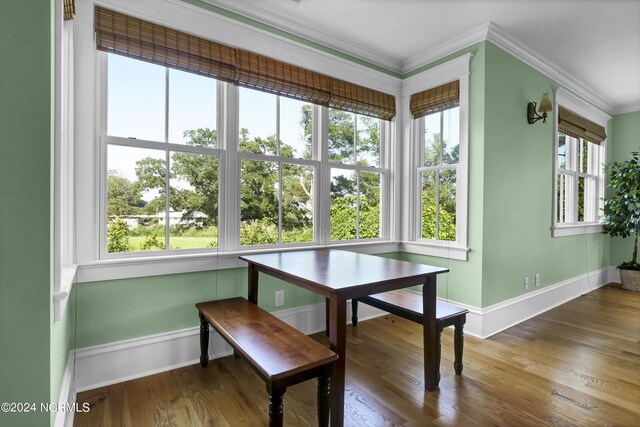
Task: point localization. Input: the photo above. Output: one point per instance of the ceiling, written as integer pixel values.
(595, 44)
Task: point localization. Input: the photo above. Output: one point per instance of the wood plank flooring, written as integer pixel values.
(578, 364)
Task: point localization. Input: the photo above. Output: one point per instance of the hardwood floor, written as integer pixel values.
(578, 364)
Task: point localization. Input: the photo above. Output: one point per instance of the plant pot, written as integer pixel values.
(630, 279)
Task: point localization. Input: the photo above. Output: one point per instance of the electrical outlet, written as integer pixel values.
(279, 298)
(537, 279)
(526, 283)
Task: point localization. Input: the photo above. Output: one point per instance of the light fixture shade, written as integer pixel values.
(545, 103)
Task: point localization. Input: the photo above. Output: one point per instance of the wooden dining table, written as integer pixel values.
(340, 275)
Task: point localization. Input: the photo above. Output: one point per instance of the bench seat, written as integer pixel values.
(408, 304)
(281, 355)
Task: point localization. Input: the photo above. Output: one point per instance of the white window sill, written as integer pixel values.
(439, 250)
(575, 229)
(143, 266)
(61, 296)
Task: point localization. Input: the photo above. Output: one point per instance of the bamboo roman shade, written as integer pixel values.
(577, 126)
(125, 35)
(435, 99)
(69, 9)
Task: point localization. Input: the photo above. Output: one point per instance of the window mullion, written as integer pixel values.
(167, 209)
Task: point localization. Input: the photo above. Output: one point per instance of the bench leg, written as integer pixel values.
(324, 403)
(326, 317)
(458, 345)
(276, 406)
(354, 311)
(204, 341)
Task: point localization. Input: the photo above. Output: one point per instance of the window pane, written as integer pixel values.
(451, 136)
(297, 206)
(259, 203)
(432, 139)
(584, 155)
(341, 136)
(343, 204)
(192, 109)
(368, 146)
(194, 201)
(562, 199)
(136, 98)
(562, 151)
(447, 205)
(295, 128)
(590, 199)
(581, 199)
(429, 219)
(135, 199)
(593, 166)
(369, 226)
(257, 121)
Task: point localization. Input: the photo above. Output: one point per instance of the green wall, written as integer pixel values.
(624, 138)
(115, 310)
(518, 190)
(26, 134)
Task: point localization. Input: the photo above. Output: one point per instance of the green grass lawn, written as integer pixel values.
(175, 242)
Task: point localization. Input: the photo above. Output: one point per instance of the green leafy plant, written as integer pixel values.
(622, 206)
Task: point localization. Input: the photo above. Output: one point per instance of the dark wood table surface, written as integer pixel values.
(339, 276)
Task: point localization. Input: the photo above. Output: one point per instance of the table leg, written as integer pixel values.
(431, 368)
(253, 284)
(338, 343)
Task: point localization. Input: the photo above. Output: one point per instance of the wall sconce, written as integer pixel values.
(545, 107)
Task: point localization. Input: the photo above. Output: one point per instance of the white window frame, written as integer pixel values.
(456, 69)
(64, 269)
(382, 170)
(209, 25)
(567, 100)
(160, 146)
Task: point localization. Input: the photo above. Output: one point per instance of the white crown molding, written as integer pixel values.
(465, 40)
(254, 11)
(499, 37)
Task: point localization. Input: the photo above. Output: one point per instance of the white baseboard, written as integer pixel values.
(488, 321)
(120, 361)
(67, 394)
(106, 364)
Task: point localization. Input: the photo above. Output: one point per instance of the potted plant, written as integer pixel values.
(622, 213)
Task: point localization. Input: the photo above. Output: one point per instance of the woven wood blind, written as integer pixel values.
(577, 126)
(125, 35)
(435, 99)
(69, 9)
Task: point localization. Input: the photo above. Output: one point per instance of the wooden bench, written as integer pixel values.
(408, 304)
(281, 355)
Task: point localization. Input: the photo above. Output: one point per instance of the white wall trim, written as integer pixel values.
(120, 361)
(503, 315)
(67, 394)
(143, 266)
(437, 250)
(111, 363)
(499, 37)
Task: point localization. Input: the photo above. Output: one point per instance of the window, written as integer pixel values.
(162, 158)
(277, 171)
(163, 165)
(439, 106)
(578, 194)
(354, 150)
(578, 166)
(438, 174)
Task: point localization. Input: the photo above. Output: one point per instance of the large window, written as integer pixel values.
(578, 175)
(356, 177)
(168, 176)
(580, 148)
(438, 174)
(162, 158)
(277, 174)
(439, 106)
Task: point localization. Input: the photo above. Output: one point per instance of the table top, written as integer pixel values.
(340, 271)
